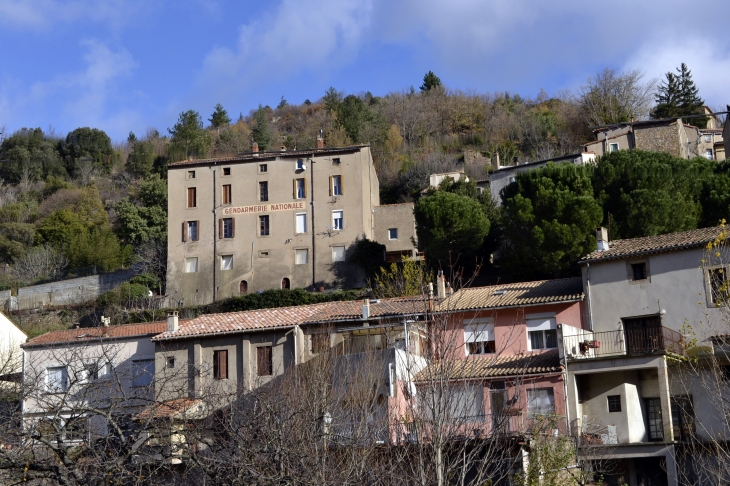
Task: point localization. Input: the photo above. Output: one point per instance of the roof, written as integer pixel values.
(264, 155)
(481, 367)
(283, 317)
(94, 333)
(514, 295)
(619, 249)
(171, 409)
(537, 162)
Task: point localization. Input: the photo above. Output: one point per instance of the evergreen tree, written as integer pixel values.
(430, 81)
(678, 96)
(188, 136)
(219, 118)
(261, 131)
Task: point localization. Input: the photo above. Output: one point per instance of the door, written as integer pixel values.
(643, 334)
(655, 427)
(498, 401)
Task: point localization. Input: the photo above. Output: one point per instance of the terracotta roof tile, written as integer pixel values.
(172, 409)
(480, 367)
(618, 249)
(514, 295)
(94, 333)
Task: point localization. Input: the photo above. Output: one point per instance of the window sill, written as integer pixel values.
(640, 282)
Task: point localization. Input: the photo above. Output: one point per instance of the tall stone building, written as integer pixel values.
(264, 220)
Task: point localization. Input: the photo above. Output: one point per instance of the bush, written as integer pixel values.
(127, 294)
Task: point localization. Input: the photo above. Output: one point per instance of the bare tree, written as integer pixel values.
(611, 97)
(39, 262)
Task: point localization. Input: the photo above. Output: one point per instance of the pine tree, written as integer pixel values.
(678, 96)
(667, 98)
(219, 118)
(261, 132)
(430, 81)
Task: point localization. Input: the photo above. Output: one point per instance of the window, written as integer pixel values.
(612, 147)
(142, 371)
(614, 403)
(226, 228)
(263, 361)
(336, 161)
(191, 264)
(190, 231)
(300, 164)
(301, 257)
(191, 174)
(336, 185)
(301, 223)
(638, 271)
(655, 427)
(540, 401)
(542, 333)
(300, 188)
(479, 336)
(192, 198)
(57, 379)
(338, 254)
(320, 342)
(264, 225)
(226, 262)
(243, 287)
(393, 233)
(264, 254)
(683, 417)
(285, 283)
(93, 371)
(263, 191)
(338, 221)
(263, 168)
(718, 283)
(220, 364)
(226, 194)
(226, 171)
(170, 361)
(708, 137)
(466, 402)
(708, 154)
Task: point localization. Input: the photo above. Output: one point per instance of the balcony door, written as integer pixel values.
(643, 334)
(655, 427)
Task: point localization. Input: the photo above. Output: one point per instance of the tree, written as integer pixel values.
(141, 159)
(332, 99)
(430, 81)
(188, 137)
(30, 152)
(98, 247)
(450, 226)
(90, 143)
(549, 219)
(370, 255)
(147, 219)
(219, 118)
(610, 97)
(41, 262)
(405, 278)
(678, 96)
(283, 103)
(352, 115)
(261, 131)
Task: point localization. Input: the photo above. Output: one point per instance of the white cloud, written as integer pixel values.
(41, 14)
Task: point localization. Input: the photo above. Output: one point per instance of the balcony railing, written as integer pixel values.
(651, 340)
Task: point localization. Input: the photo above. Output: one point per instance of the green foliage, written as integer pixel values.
(141, 159)
(128, 294)
(61, 227)
(359, 121)
(98, 247)
(549, 219)
(28, 152)
(332, 99)
(261, 132)
(52, 185)
(370, 255)
(90, 143)
(409, 277)
(220, 117)
(715, 196)
(450, 226)
(188, 137)
(277, 298)
(149, 280)
(678, 96)
(430, 81)
(147, 220)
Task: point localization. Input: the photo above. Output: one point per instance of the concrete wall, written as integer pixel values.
(71, 291)
(263, 261)
(398, 216)
(675, 284)
(11, 337)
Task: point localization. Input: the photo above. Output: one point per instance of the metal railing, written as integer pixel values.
(651, 340)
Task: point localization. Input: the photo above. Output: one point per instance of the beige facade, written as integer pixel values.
(396, 229)
(268, 220)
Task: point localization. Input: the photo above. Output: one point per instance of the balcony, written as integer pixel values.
(581, 344)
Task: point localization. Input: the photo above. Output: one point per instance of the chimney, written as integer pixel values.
(283, 148)
(254, 147)
(496, 160)
(449, 290)
(430, 296)
(441, 285)
(516, 160)
(601, 239)
(105, 321)
(320, 140)
(172, 324)
(366, 308)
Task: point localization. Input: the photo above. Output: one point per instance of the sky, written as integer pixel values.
(129, 65)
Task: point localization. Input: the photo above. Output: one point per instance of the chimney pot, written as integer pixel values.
(366, 308)
(601, 239)
(283, 148)
(441, 285)
(254, 147)
(172, 321)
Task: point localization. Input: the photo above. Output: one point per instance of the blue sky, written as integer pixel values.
(130, 65)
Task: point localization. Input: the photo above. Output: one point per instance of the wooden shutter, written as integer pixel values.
(185, 231)
(223, 364)
(305, 187)
(233, 227)
(342, 185)
(220, 228)
(263, 360)
(332, 185)
(191, 197)
(295, 189)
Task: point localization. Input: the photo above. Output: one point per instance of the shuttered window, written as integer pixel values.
(300, 188)
(336, 187)
(192, 198)
(226, 194)
(190, 231)
(263, 361)
(226, 228)
(220, 364)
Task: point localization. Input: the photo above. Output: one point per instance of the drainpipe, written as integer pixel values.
(588, 297)
(311, 199)
(215, 242)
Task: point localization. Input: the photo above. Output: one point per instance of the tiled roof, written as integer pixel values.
(171, 408)
(263, 155)
(618, 249)
(480, 367)
(235, 322)
(95, 333)
(514, 295)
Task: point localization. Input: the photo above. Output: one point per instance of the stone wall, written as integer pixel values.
(658, 139)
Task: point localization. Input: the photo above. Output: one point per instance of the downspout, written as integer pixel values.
(215, 243)
(588, 297)
(311, 199)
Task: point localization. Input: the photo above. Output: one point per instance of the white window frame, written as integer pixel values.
(300, 228)
(298, 252)
(193, 233)
(300, 164)
(709, 154)
(226, 262)
(64, 383)
(336, 185)
(341, 225)
(478, 331)
(613, 147)
(191, 265)
(301, 191)
(541, 324)
(335, 257)
(392, 231)
(537, 399)
(708, 137)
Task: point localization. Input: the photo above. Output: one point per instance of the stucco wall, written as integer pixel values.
(399, 216)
